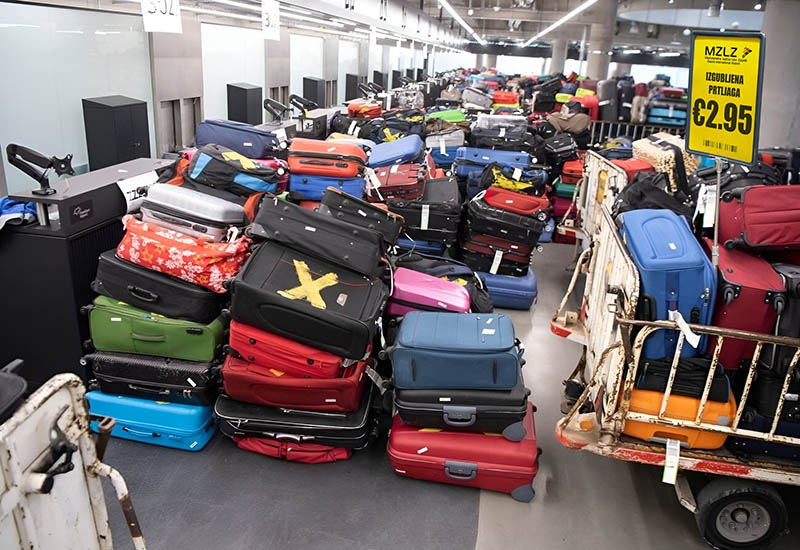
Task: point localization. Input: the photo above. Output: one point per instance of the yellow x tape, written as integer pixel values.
(309, 288)
(246, 163)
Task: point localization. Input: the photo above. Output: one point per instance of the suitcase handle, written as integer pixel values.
(147, 390)
(460, 471)
(13, 367)
(142, 294)
(140, 434)
(460, 417)
(148, 337)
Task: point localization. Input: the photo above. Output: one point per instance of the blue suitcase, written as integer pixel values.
(547, 233)
(456, 351)
(511, 292)
(426, 247)
(444, 159)
(569, 88)
(676, 274)
(665, 121)
(187, 427)
(402, 151)
(311, 188)
(474, 183)
(751, 420)
(245, 139)
(472, 158)
(675, 114)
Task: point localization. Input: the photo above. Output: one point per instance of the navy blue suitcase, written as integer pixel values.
(675, 272)
(472, 158)
(751, 420)
(456, 351)
(474, 183)
(511, 292)
(426, 247)
(187, 427)
(444, 159)
(311, 188)
(405, 150)
(245, 139)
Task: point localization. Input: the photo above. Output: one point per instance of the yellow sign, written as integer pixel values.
(725, 95)
(309, 288)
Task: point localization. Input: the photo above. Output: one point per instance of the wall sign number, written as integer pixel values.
(725, 95)
(162, 16)
(270, 20)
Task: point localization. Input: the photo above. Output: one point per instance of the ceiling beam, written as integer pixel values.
(507, 14)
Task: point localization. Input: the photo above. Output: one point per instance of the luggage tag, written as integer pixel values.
(671, 110)
(502, 132)
(378, 380)
(516, 174)
(709, 214)
(671, 461)
(353, 126)
(691, 337)
(426, 212)
(603, 103)
(374, 182)
(441, 147)
(498, 255)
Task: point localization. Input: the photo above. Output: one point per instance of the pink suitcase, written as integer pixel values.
(413, 290)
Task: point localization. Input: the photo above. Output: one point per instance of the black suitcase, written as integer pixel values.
(466, 410)
(349, 430)
(308, 300)
(690, 378)
(155, 292)
(326, 237)
(343, 124)
(509, 226)
(625, 100)
(13, 388)
(435, 216)
(560, 148)
(483, 263)
(359, 212)
(765, 393)
(788, 323)
(752, 420)
(787, 162)
(503, 139)
(150, 377)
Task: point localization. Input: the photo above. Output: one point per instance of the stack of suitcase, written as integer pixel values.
(668, 108)
(316, 165)
(463, 411)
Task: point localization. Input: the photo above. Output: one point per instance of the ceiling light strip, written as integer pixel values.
(454, 14)
(558, 23)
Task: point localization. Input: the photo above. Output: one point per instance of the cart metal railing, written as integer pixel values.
(602, 130)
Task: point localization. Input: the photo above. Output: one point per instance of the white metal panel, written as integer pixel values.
(305, 59)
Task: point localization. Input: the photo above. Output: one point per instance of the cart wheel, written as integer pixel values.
(739, 514)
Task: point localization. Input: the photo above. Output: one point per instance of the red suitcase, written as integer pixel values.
(560, 206)
(292, 451)
(589, 84)
(497, 244)
(505, 98)
(673, 93)
(592, 104)
(633, 166)
(399, 181)
(749, 292)
(484, 461)
(572, 171)
(763, 217)
(261, 385)
(640, 89)
(518, 203)
(276, 352)
(507, 253)
(430, 166)
(326, 158)
(364, 109)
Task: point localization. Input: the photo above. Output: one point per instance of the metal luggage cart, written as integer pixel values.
(602, 129)
(738, 508)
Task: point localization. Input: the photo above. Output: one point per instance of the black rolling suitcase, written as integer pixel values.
(346, 430)
(12, 389)
(433, 217)
(508, 226)
(690, 378)
(311, 301)
(151, 377)
(788, 323)
(560, 148)
(494, 411)
(359, 212)
(155, 292)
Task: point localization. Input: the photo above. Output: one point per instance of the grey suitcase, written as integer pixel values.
(452, 137)
(474, 96)
(491, 122)
(191, 212)
(408, 98)
(607, 97)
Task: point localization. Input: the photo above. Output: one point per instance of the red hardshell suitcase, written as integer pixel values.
(326, 158)
(674, 93)
(633, 166)
(507, 253)
(525, 205)
(572, 171)
(497, 244)
(505, 98)
(640, 89)
(292, 451)
(750, 295)
(560, 206)
(592, 104)
(430, 166)
(276, 352)
(364, 109)
(399, 181)
(763, 217)
(252, 383)
(484, 461)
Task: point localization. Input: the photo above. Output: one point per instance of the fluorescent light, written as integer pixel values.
(757, 6)
(105, 32)
(296, 10)
(343, 22)
(669, 54)
(560, 22)
(312, 20)
(221, 14)
(631, 51)
(471, 12)
(240, 5)
(70, 32)
(454, 14)
(597, 52)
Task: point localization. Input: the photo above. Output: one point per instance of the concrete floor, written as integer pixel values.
(222, 497)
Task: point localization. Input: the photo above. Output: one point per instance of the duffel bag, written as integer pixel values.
(226, 170)
(530, 182)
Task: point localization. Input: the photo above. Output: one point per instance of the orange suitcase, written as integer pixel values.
(680, 407)
(326, 158)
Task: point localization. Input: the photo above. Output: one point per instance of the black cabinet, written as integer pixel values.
(116, 130)
(244, 103)
(314, 90)
(381, 79)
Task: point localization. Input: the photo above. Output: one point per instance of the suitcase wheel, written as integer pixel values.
(523, 494)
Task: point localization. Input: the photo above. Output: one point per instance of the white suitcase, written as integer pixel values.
(452, 137)
(474, 96)
(191, 212)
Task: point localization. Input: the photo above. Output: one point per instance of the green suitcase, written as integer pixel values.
(116, 326)
(454, 115)
(565, 190)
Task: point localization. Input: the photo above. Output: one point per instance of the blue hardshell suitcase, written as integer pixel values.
(675, 272)
(456, 351)
(313, 187)
(426, 247)
(245, 139)
(444, 158)
(751, 420)
(665, 121)
(187, 427)
(668, 113)
(547, 233)
(511, 292)
(402, 151)
(473, 158)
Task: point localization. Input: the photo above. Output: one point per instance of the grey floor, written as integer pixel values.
(222, 497)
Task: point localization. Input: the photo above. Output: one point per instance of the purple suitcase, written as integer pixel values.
(413, 290)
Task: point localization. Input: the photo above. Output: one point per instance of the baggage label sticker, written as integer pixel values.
(671, 462)
(424, 217)
(516, 174)
(422, 450)
(352, 127)
(309, 288)
(498, 255)
(394, 169)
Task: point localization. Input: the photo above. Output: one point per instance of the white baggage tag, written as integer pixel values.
(131, 188)
(280, 133)
(516, 174)
(692, 338)
(441, 146)
(701, 201)
(671, 110)
(606, 102)
(710, 206)
(627, 105)
(498, 255)
(352, 127)
(671, 461)
(394, 168)
(745, 169)
(374, 182)
(426, 211)
(377, 379)
(502, 132)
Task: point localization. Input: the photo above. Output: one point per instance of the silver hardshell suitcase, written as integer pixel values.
(452, 137)
(491, 122)
(407, 98)
(191, 212)
(477, 97)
